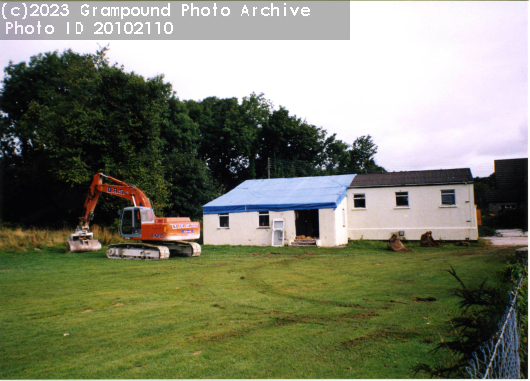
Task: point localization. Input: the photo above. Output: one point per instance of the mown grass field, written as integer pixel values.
(233, 312)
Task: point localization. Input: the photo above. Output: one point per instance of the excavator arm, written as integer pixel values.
(123, 189)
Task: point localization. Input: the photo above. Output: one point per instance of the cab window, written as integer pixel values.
(147, 215)
(127, 222)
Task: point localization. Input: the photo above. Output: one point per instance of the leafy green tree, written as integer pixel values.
(362, 156)
(68, 116)
(192, 183)
(255, 112)
(288, 138)
(229, 133)
(336, 154)
(481, 186)
(38, 101)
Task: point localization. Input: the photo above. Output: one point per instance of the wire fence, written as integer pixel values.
(498, 358)
(298, 168)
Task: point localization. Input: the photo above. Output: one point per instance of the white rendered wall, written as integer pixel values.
(425, 212)
(245, 230)
(331, 225)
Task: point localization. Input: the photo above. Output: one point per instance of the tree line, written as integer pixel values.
(66, 116)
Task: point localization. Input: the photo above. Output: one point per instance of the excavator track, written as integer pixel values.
(179, 248)
(188, 249)
(142, 251)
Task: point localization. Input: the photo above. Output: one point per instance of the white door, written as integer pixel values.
(277, 232)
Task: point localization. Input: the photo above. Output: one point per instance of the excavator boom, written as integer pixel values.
(123, 189)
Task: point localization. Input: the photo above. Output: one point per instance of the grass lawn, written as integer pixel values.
(233, 312)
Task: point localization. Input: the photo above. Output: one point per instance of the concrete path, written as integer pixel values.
(509, 237)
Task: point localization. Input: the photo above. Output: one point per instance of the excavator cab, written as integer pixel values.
(131, 221)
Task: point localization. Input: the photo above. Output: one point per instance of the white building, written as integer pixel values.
(311, 207)
(411, 203)
(333, 209)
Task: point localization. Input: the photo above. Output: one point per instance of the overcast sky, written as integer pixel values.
(436, 84)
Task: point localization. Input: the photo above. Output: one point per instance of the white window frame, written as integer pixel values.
(402, 195)
(447, 193)
(227, 215)
(362, 196)
(264, 213)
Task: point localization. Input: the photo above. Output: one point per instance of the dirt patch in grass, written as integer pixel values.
(206, 337)
(296, 319)
(302, 256)
(272, 312)
(366, 315)
(428, 299)
(340, 304)
(88, 310)
(382, 334)
(471, 251)
(384, 301)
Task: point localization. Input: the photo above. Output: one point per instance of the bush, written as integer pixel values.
(482, 308)
(508, 219)
(485, 231)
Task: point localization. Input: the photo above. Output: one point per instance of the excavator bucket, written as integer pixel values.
(427, 240)
(394, 244)
(82, 241)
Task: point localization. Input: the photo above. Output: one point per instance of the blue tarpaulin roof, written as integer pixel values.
(299, 193)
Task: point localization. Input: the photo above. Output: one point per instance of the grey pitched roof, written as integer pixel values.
(430, 177)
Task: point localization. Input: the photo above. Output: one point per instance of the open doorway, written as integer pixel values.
(307, 223)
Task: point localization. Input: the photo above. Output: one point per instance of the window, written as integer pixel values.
(147, 215)
(127, 222)
(402, 198)
(359, 201)
(224, 222)
(264, 219)
(137, 225)
(448, 197)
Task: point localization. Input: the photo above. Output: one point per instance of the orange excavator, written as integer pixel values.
(152, 238)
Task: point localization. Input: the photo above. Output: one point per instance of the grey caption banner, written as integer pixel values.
(175, 20)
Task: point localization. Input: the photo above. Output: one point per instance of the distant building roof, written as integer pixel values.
(511, 173)
(511, 181)
(430, 177)
(298, 193)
